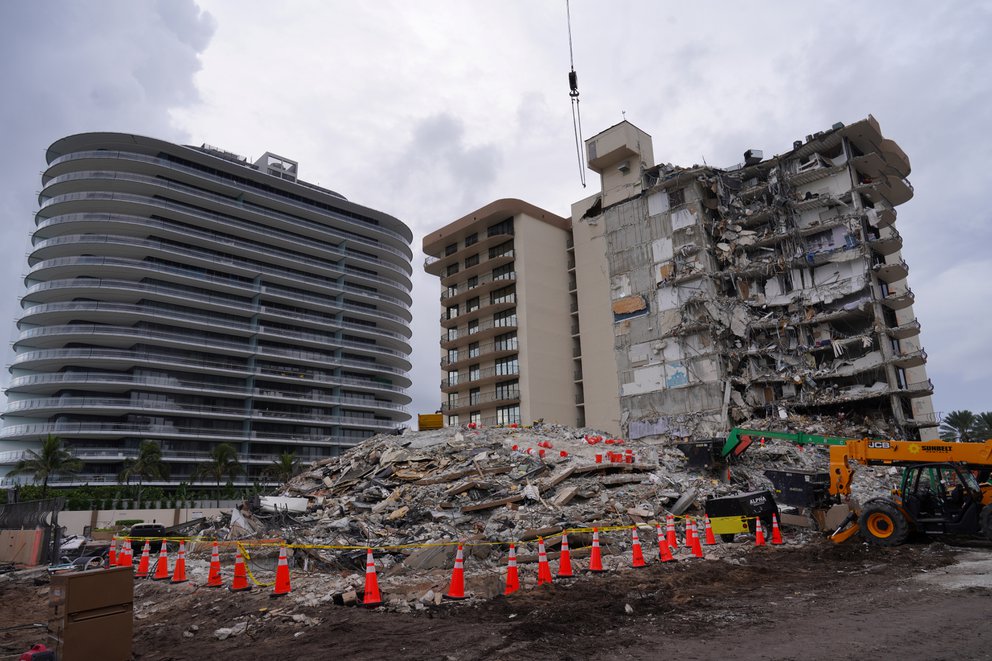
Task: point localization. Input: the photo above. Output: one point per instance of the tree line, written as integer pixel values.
(966, 426)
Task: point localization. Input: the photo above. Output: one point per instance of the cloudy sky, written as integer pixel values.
(427, 110)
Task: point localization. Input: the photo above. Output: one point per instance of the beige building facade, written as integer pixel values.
(506, 316)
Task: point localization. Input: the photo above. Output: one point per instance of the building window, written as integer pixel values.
(474, 396)
(505, 318)
(504, 272)
(453, 378)
(452, 334)
(505, 248)
(452, 269)
(508, 415)
(473, 350)
(452, 291)
(451, 312)
(507, 366)
(473, 282)
(450, 249)
(473, 326)
(452, 400)
(508, 389)
(503, 227)
(471, 239)
(502, 295)
(452, 420)
(676, 198)
(473, 372)
(471, 261)
(505, 342)
(452, 355)
(472, 305)
(476, 417)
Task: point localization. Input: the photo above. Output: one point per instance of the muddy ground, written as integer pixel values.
(818, 601)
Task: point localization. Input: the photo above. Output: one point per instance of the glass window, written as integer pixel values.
(474, 396)
(473, 282)
(505, 342)
(476, 417)
(452, 420)
(452, 400)
(472, 261)
(505, 318)
(452, 334)
(507, 366)
(453, 378)
(473, 350)
(451, 312)
(452, 290)
(505, 248)
(504, 272)
(471, 239)
(472, 305)
(502, 227)
(452, 269)
(508, 415)
(508, 389)
(502, 295)
(450, 249)
(473, 372)
(452, 355)
(473, 326)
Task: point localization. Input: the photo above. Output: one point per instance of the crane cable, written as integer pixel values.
(573, 83)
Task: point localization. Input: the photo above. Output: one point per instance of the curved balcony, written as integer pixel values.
(125, 336)
(118, 359)
(54, 314)
(125, 203)
(122, 246)
(44, 407)
(122, 430)
(198, 174)
(485, 285)
(488, 351)
(105, 224)
(489, 400)
(901, 332)
(909, 358)
(64, 268)
(480, 378)
(479, 313)
(437, 265)
(888, 242)
(481, 332)
(155, 186)
(898, 299)
(891, 271)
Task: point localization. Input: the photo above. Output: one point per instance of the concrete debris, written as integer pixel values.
(492, 485)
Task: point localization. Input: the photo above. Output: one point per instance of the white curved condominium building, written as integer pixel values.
(187, 296)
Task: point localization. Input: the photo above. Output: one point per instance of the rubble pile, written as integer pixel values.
(405, 494)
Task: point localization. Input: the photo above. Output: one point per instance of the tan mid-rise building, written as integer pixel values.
(507, 315)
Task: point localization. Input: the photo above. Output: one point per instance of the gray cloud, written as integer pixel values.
(68, 67)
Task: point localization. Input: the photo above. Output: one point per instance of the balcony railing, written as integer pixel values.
(199, 174)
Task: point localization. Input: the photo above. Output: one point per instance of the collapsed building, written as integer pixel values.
(771, 288)
(679, 302)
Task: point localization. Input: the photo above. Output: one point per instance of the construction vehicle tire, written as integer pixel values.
(985, 520)
(883, 524)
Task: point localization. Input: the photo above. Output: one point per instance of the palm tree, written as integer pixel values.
(284, 468)
(983, 425)
(223, 461)
(148, 464)
(52, 459)
(958, 426)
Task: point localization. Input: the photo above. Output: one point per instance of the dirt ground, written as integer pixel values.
(817, 601)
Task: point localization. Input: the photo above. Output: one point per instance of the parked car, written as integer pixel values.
(143, 530)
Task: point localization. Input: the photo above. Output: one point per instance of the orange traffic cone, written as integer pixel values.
(673, 539)
(162, 566)
(664, 553)
(776, 533)
(457, 588)
(282, 575)
(543, 568)
(143, 563)
(595, 560)
(372, 597)
(240, 582)
(179, 575)
(697, 546)
(122, 558)
(512, 578)
(112, 556)
(565, 559)
(710, 539)
(690, 532)
(213, 578)
(637, 556)
(759, 534)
